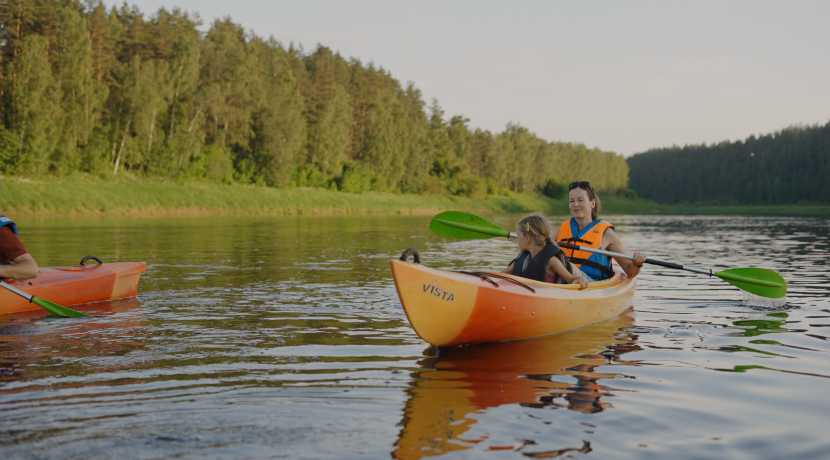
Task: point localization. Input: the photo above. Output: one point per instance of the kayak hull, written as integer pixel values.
(449, 308)
(76, 285)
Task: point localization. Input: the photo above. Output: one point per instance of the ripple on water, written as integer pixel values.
(752, 300)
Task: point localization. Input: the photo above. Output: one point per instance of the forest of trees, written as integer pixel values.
(788, 166)
(100, 91)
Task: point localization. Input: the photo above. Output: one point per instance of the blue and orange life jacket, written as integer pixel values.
(6, 222)
(596, 266)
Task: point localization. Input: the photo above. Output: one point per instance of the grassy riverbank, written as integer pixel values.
(129, 195)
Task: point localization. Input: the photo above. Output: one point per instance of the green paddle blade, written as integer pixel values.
(465, 226)
(58, 310)
(758, 281)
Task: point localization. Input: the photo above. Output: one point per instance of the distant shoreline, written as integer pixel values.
(786, 210)
(131, 196)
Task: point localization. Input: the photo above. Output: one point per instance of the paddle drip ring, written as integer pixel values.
(415, 255)
(91, 258)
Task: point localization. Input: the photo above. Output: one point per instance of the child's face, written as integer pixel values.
(524, 239)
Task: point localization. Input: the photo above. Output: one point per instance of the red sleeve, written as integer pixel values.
(10, 245)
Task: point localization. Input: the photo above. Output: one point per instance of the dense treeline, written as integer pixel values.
(101, 91)
(784, 167)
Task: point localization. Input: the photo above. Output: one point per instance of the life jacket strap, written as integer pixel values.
(590, 263)
(574, 240)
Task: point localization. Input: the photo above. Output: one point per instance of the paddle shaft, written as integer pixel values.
(17, 291)
(648, 261)
(500, 232)
(625, 256)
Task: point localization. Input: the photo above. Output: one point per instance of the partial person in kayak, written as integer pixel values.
(585, 228)
(541, 259)
(15, 262)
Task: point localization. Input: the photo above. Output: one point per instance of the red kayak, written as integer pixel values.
(75, 285)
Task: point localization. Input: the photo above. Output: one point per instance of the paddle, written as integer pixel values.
(758, 281)
(51, 307)
(466, 226)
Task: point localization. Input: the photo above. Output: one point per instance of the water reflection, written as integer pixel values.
(34, 345)
(462, 383)
(769, 323)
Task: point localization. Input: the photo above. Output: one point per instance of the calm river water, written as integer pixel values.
(283, 337)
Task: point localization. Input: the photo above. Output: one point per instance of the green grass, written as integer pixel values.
(130, 195)
(83, 194)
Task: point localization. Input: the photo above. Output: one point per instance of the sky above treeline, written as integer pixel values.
(622, 76)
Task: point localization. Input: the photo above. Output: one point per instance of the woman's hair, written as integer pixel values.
(592, 195)
(537, 227)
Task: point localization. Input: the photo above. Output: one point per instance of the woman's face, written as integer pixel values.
(580, 204)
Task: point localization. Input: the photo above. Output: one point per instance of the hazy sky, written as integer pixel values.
(622, 76)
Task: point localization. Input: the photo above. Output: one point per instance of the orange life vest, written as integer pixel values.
(596, 266)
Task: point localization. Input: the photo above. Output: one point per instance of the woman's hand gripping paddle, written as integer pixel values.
(51, 307)
(758, 281)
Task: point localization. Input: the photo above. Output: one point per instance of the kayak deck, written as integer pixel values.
(450, 308)
(75, 285)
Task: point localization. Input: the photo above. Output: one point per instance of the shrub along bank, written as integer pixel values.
(139, 196)
(131, 195)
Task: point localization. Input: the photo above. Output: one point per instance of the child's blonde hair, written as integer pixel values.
(537, 227)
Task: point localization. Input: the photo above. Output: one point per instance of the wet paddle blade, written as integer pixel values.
(58, 310)
(465, 226)
(759, 281)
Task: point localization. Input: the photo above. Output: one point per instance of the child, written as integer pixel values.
(541, 259)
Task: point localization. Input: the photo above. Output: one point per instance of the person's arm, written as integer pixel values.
(555, 266)
(508, 270)
(611, 242)
(24, 267)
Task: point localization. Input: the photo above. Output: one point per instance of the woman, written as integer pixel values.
(584, 228)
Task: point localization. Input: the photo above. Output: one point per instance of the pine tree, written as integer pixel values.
(72, 68)
(279, 127)
(228, 85)
(388, 142)
(328, 140)
(37, 107)
(417, 178)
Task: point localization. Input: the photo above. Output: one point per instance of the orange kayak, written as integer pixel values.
(452, 308)
(75, 285)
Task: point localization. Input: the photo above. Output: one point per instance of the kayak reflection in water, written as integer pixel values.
(583, 397)
(541, 259)
(15, 261)
(29, 351)
(454, 404)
